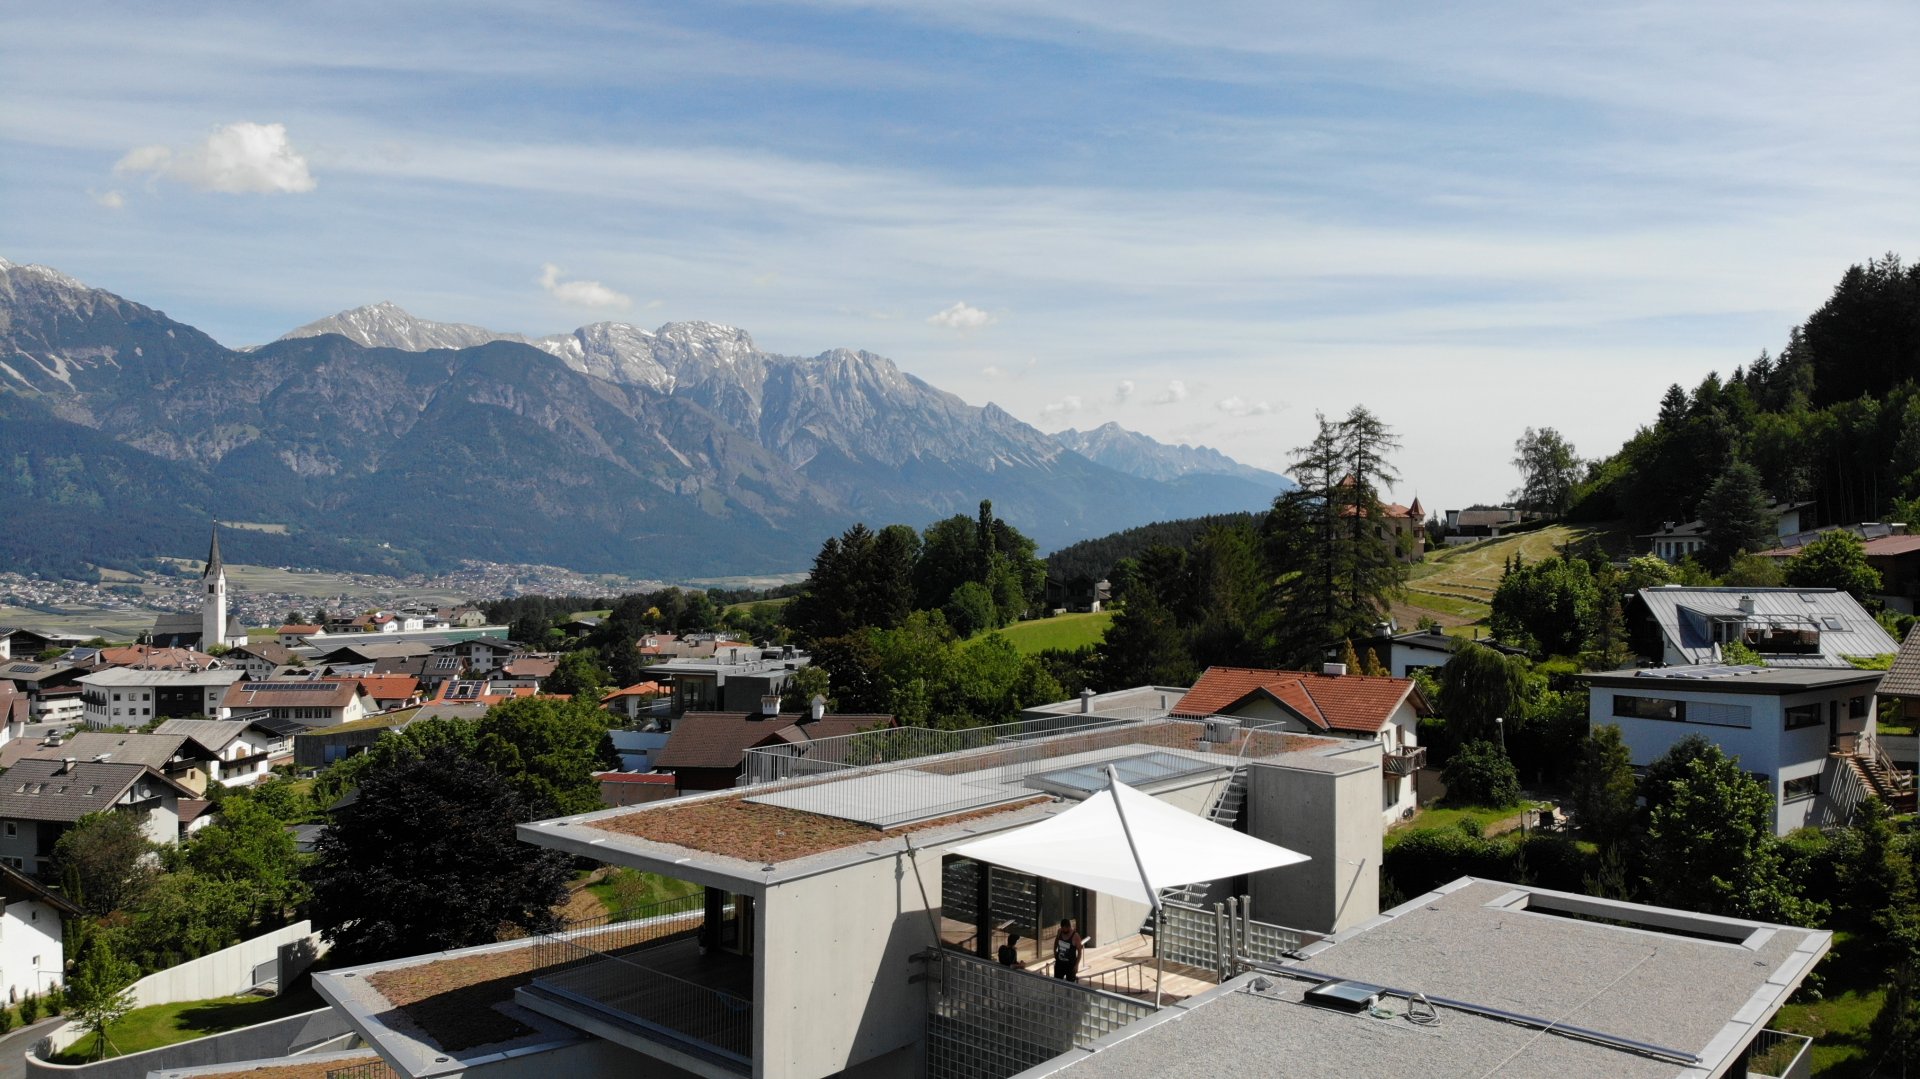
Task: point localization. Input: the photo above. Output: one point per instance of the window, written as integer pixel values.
(116, 696)
(1857, 707)
(1803, 715)
(1648, 708)
(1794, 790)
(12, 828)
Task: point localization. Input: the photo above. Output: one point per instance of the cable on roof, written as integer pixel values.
(1598, 1037)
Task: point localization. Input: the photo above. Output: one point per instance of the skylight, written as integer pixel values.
(1133, 771)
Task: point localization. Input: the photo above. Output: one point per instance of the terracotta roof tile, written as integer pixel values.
(1349, 702)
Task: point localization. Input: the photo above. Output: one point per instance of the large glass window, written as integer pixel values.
(1803, 715)
(1857, 707)
(1794, 790)
(1648, 708)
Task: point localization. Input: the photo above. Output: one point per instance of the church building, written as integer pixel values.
(212, 625)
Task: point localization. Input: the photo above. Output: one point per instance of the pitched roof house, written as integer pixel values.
(705, 749)
(40, 799)
(1333, 703)
(1791, 627)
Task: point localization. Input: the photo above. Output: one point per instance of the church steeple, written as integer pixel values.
(213, 612)
(214, 566)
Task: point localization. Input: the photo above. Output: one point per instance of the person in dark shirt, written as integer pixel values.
(1067, 945)
(1010, 951)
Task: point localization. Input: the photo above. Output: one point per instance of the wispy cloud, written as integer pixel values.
(112, 200)
(961, 316)
(581, 293)
(1065, 406)
(1123, 391)
(1236, 406)
(236, 159)
(1175, 392)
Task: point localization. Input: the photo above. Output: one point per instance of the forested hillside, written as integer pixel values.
(1834, 419)
(1095, 558)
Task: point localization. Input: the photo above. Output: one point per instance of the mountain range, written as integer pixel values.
(385, 442)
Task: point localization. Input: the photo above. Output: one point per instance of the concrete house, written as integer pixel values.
(1383, 711)
(1809, 734)
(52, 690)
(734, 680)
(839, 933)
(1791, 627)
(32, 935)
(40, 799)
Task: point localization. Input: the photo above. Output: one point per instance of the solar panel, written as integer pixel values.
(293, 687)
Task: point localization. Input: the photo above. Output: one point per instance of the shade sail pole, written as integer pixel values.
(1159, 922)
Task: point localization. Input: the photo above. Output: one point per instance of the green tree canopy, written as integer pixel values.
(1736, 514)
(1480, 773)
(105, 861)
(1604, 788)
(1550, 606)
(1548, 470)
(248, 845)
(1711, 846)
(427, 859)
(97, 993)
(549, 749)
(1837, 559)
(1477, 686)
(578, 674)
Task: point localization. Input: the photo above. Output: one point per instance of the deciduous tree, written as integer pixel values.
(427, 859)
(105, 861)
(1548, 470)
(1835, 560)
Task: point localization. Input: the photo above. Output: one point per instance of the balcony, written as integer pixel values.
(1775, 1054)
(649, 983)
(1404, 762)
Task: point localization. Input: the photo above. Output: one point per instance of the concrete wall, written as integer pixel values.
(31, 954)
(230, 970)
(320, 1029)
(1327, 808)
(831, 987)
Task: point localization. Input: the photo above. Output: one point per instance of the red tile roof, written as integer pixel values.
(298, 629)
(1893, 545)
(638, 689)
(635, 777)
(390, 687)
(1349, 702)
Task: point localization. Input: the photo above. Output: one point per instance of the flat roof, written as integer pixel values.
(1690, 1002)
(746, 838)
(1735, 679)
(1686, 1003)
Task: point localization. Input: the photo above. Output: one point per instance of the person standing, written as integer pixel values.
(1010, 951)
(1067, 946)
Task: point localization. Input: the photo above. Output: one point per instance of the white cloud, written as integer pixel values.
(237, 159)
(580, 293)
(1123, 391)
(1236, 406)
(1176, 391)
(1065, 406)
(112, 200)
(961, 316)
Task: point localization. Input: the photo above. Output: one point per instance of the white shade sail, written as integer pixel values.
(1087, 846)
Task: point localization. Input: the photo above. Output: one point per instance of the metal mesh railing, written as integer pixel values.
(895, 745)
(371, 1069)
(705, 1018)
(989, 1022)
(600, 963)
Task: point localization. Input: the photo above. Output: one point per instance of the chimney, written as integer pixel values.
(817, 707)
(1086, 701)
(1746, 605)
(770, 704)
(67, 763)
(1333, 670)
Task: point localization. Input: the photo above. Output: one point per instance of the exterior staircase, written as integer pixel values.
(1225, 811)
(1887, 782)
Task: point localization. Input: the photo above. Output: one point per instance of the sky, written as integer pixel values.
(1206, 222)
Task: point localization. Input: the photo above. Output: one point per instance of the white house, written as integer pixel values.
(40, 799)
(1404, 653)
(32, 943)
(1676, 542)
(1807, 733)
(133, 697)
(237, 753)
(1333, 704)
(319, 702)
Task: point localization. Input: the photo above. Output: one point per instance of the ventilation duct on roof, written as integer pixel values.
(1221, 730)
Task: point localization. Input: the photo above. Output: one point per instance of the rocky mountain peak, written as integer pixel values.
(388, 325)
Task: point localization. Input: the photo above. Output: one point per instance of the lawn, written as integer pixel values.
(167, 1024)
(1441, 817)
(1839, 1023)
(1067, 631)
(1460, 580)
(653, 888)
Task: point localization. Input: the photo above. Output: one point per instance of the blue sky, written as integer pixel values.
(1207, 222)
